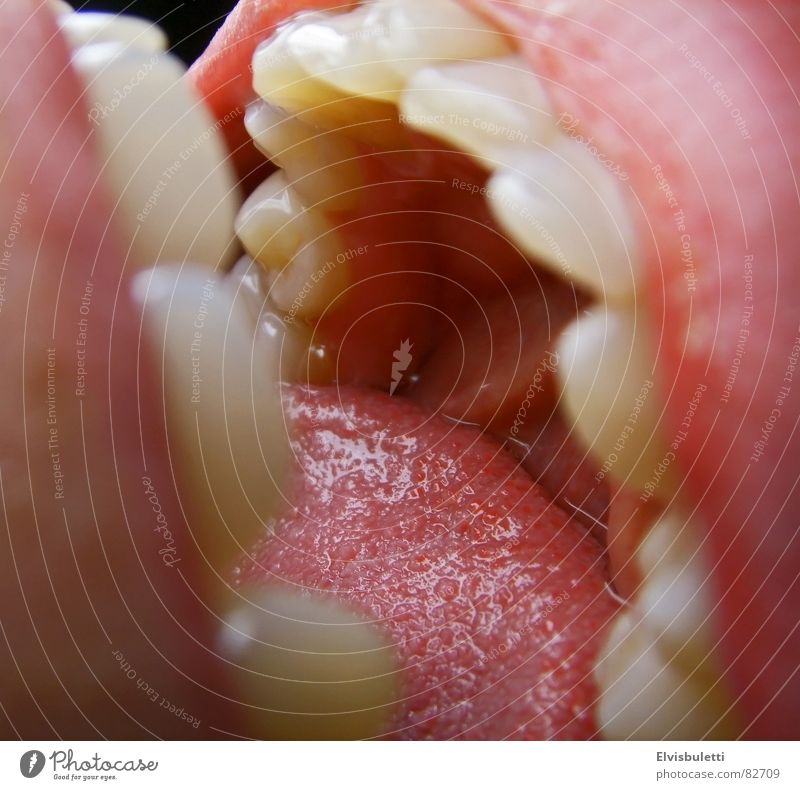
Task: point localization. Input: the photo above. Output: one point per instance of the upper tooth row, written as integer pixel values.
(373, 50)
(548, 191)
(294, 244)
(161, 150)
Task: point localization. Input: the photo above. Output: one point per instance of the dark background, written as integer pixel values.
(189, 24)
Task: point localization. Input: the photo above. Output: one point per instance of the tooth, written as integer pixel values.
(296, 243)
(420, 32)
(247, 280)
(309, 668)
(489, 108)
(342, 51)
(657, 674)
(645, 695)
(281, 82)
(223, 410)
(565, 210)
(373, 50)
(271, 224)
(321, 165)
(164, 157)
(275, 132)
(126, 32)
(674, 597)
(609, 396)
(291, 340)
(278, 77)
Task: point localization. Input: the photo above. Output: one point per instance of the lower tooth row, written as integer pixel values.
(320, 165)
(657, 676)
(301, 667)
(161, 150)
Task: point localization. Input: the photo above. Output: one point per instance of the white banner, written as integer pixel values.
(400, 766)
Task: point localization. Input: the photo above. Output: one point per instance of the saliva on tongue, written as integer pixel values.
(493, 600)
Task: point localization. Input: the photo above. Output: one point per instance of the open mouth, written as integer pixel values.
(412, 382)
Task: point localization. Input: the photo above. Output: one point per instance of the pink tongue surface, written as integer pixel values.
(492, 598)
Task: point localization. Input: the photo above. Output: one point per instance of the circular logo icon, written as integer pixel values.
(31, 763)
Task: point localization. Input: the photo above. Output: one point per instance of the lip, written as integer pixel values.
(744, 504)
(84, 586)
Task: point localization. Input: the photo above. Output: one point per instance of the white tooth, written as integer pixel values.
(309, 668)
(282, 82)
(608, 393)
(291, 340)
(296, 243)
(646, 695)
(226, 431)
(489, 108)
(421, 32)
(308, 284)
(271, 223)
(374, 49)
(566, 210)
(247, 279)
(321, 165)
(342, 51)
(657, 675)
(674, 598)
(125, 31)
(164, 157)
(275, 132)
(278, 77)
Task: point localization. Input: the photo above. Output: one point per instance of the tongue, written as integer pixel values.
(494, 601)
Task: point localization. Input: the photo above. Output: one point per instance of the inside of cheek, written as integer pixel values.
(422, 295)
